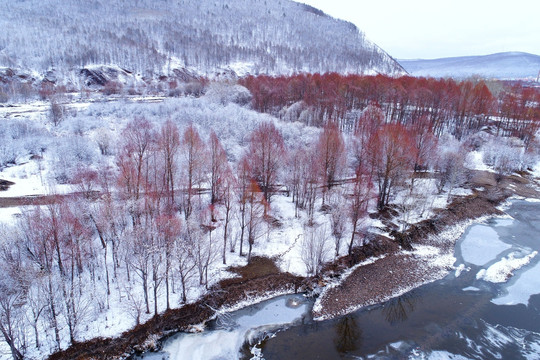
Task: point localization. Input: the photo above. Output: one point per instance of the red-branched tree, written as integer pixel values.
(425, 143)
(169, 145)
(218, 165)
(137, 139)
(371, 119)
(266, 155)
(195, 160)
(332, 157)
(391, 159)
(362, 193)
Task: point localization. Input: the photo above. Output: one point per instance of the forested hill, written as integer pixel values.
(151, 37)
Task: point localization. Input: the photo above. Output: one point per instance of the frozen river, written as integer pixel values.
(489, 308)
(233, 335)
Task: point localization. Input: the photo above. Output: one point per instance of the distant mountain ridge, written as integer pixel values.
(505, 65)
(150, 37)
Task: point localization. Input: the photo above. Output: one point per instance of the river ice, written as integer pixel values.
(505, 221)
(444, 355)
(238, 327)
(493, 342)
(482, 245)
(519, 291)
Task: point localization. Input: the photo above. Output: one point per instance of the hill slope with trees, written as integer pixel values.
(149, 37)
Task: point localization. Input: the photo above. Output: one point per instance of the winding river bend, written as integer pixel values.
(472, 313)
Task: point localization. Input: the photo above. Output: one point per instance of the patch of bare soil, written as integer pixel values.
(259, 266)
(497, 187)
(374, 283)
(376, 245)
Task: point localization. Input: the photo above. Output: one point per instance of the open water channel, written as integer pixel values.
(466, 315)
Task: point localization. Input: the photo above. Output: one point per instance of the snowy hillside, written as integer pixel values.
(507, 65)
(154, 37)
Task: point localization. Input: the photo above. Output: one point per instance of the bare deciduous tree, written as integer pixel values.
(218, 166)
(338, 218)
(13, 291)
(391, 159)
(185, 261)
(228, 188)
(195, 159)
(169, 146)
(331, 153)
(315, 248)
(358, 203)
(266, 155)
(255, 206)
(244, 183)
(57, 111)
(138, 137)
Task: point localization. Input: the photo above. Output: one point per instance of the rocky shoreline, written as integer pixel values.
(389, 271)
(431, 242)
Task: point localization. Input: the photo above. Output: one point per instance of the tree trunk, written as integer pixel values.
(155, 299)
(107, 275)
(242, 228)
(355, 224)
(167, 265)
(184, 292)
(36, 334)
(15, 353)
(249, 250)
(53, 314)
(145, 290)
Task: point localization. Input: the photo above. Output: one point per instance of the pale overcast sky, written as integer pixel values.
(427, 29)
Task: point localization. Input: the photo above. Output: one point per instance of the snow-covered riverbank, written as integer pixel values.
(431, 259)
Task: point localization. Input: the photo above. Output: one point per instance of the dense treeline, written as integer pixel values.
(457, 107)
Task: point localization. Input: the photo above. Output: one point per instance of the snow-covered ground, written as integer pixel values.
(73, 145)
(9, 215)
(502, 270)
(475, 161)
(32, 178)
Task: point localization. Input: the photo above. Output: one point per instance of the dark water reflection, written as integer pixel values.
(438, 318)
(348, 334)
(396, 310)
(442, 314)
